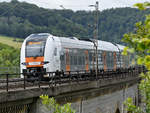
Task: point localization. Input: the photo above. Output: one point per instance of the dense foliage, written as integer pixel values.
(19, 19)
(9, 56)
(51, 105)
(139, 43)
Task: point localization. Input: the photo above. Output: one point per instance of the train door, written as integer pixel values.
(100, 60)
(56, 53)
(67, 60)
(86, 61)
(104, 61)
(90, 60)
(62, 60)
(73, 60)
(56, 59)
(124, 61)
(118, 59)
(115, 61)
(128, 65)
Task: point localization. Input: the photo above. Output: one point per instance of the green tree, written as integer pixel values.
(20, 19)
(9, 56)
(139, 43)
(51, 105)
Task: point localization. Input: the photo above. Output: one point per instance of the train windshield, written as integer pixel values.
(35, 45)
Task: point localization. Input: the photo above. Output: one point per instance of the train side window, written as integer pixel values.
(71, 58)
(55, 52)
(121, 58)
(118, 57)
(83, 60)
(75, 60)
(107, 59)
(90, 57)
(62, 57)
(86, 60)
(80, 60)
(100, 57)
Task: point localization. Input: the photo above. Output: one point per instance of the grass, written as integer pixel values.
(10, 41)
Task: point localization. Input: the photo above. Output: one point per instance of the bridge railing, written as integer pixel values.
(59, 77)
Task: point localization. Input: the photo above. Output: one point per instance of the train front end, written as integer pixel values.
(32, 55)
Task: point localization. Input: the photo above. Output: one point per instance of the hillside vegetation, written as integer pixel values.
(9, 56)
(19, 19)
(10, 41)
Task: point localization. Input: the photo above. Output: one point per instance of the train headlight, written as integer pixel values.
(25, 63)
(34, 63)
(44, 62)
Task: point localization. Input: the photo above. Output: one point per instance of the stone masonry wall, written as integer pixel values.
(104, 103)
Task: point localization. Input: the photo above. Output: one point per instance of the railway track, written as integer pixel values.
(8, 84)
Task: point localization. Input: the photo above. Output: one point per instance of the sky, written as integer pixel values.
(82, 4)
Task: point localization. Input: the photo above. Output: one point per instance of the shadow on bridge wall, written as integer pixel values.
(117, 110)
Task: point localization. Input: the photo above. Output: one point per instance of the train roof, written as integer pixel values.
(107, 46)
(121, 47)
(73, 42)
(82, 44)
